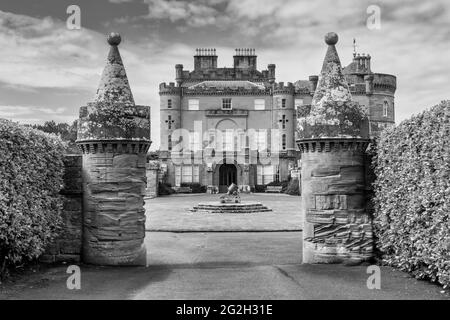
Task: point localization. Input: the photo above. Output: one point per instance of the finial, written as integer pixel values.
(114, 39)
(331, 38)
(354, 47)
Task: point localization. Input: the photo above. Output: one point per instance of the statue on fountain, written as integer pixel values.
(232, 195)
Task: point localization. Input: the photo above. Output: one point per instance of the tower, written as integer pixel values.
(333, 138)
(113, 134)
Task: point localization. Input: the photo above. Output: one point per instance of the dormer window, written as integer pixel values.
(226, 104)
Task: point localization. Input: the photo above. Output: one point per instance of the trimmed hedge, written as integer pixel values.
(195, 187)
(412, 195)
(31, 176)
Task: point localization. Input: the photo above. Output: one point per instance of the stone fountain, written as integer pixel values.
(230, 203)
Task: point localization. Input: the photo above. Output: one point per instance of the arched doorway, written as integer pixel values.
(227, 176)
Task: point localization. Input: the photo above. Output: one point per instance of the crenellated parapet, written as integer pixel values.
(237, 91)
(225, 74)
(169, 89)
(281, 88)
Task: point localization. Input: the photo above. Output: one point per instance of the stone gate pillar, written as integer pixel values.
(333, 138)
(153, 170)
(113, 134)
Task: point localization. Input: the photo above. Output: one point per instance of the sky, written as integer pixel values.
(48, 71)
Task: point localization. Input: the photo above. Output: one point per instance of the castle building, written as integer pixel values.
(238, 125)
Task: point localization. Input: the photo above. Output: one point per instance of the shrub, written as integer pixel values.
(412, 195)
(260, 188)
(195, 187)
(165, 189)
(293, 187)
(274, 183)
(283, 184)
(31, 171)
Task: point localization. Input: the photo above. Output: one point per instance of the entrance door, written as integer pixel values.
(227, 176)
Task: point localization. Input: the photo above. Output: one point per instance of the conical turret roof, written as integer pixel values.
(333, 113)
(332, 85)
(114, 86)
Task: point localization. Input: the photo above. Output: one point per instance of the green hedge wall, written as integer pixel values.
(31, 171)
(412, 195)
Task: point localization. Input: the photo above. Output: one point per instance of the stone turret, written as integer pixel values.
(333, 138)
(114, 136)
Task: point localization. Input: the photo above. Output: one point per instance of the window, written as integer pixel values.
(196, 174)
(283, 142)
(177, 176)
(277, 173)
(260, 104)
(169, 104)
(169, 121)
(385, 109)
(283, 121)
(226, 104)
(228, 140)
(298, 103)
(265, 174)
(194, 141)
(193, 104)
(187, 174)
(283, 103)
(261, 141)
(169, 142)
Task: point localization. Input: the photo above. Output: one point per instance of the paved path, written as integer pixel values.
(247, 265)
(171, 213)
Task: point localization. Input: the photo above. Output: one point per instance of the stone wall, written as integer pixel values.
(152, 179)
(67, 247)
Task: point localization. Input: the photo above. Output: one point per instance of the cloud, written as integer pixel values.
(28, 114)
(194, 13)
(43, 53)
(41, 59)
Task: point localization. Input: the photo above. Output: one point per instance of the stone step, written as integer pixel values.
(229, 210)
(232, 211)
(229, 207)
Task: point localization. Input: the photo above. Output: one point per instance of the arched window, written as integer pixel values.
(385, 109)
